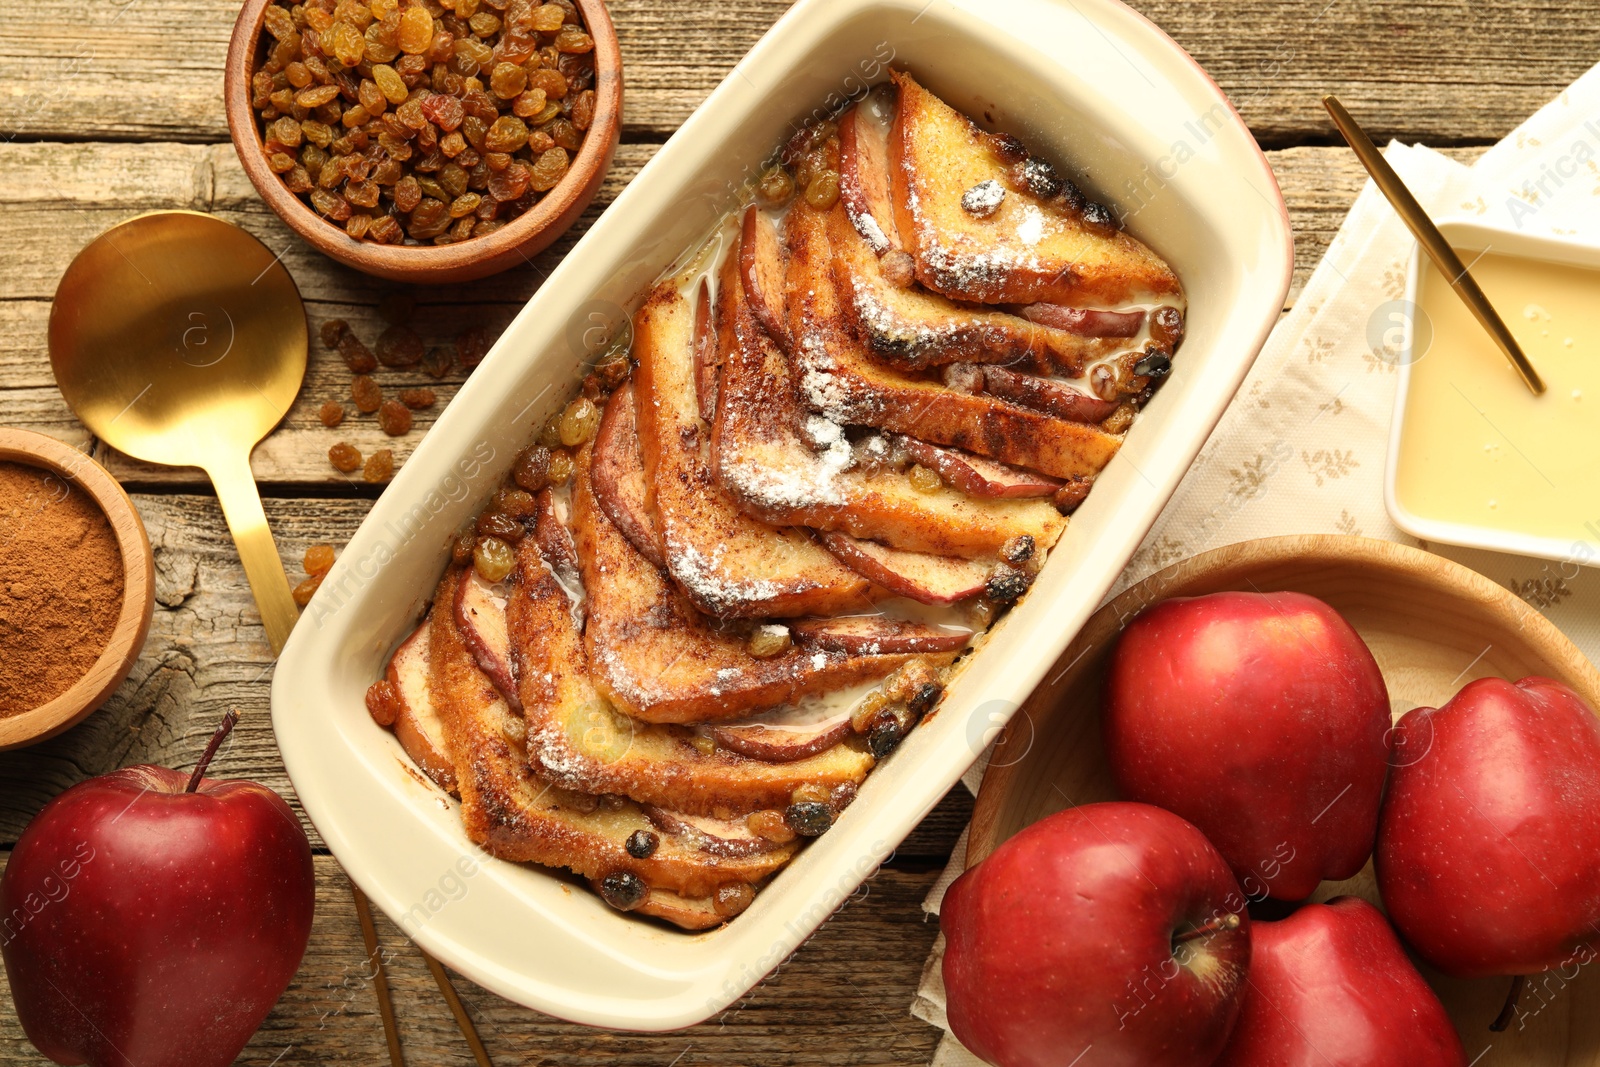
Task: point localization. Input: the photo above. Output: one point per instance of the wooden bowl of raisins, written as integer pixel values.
(425, 140)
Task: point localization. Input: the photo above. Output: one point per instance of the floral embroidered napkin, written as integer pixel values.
(1302, 448)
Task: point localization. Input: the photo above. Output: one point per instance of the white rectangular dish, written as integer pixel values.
(1510, 528)
(1093, 86)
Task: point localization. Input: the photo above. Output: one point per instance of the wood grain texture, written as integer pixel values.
(839, 1000)
(1446, 71)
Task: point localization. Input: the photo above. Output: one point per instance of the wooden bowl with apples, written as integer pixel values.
(1432, 627)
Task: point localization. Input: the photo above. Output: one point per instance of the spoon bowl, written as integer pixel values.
(180, 339)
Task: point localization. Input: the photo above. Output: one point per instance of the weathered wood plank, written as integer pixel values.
(106, 183)
(840, 1000)
(1445, 71)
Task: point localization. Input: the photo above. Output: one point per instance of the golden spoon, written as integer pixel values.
(180, 339)
(1432, 241)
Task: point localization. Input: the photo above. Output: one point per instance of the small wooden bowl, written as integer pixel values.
(1433, 626)
(138, 588)
(516, 242)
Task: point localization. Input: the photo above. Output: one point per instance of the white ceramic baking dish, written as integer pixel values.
(1091, 84)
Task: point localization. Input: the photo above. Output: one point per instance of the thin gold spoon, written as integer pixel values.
(1432, 241)
(180, 339)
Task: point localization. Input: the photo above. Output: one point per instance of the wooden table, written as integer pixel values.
(114, 107)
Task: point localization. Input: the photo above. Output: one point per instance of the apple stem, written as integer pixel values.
(211, 749)
(1211, 926)
(1509, 1010)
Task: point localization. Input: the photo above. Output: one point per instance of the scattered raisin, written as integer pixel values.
(884, 736)
(560, 467)
(499, 525)
(822, 192)
(733, 898)
(579, 422)
(623, 890)
(925, 479)
(493, 559)
(810, 793)
(517, 503)
(1018, 550)
(366, 392)
(808, 818)
(383, 702)
(770, 826)
(399, 346)
(357, 356)
(318, 559)
(1006, 585)
(532, 469)
(306, 590)
(1069, 496)
(331, 414)
(438, 360)
(417, 399)
(332, 332)
(642, 844)
(394, 418)
(379, 467)
(344, 457)
(769, 640)
(898, 268)
(775, 187)
(1166, 328)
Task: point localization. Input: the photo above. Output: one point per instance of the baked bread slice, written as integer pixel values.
(512, 814)
(578, 741)
(841, 381)
(908, 326)
(658, 659)
(790, 469)
(727, 563)
(1041, 243)
(419, 727)
(619, 479)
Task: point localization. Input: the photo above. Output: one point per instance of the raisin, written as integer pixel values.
(384, 702)
(642, 844)
(394, 418)
(357, 356)
(318, 559)
(331, 414)
(517, 503)
(417, 399)
(438, 360)
(624, 890)
(379, 467)
(399, 346)
(769, 640)
(332, 331)
(366, 393)
(1166, 328)
(822, 192)
(775, 187)
(306, 590)
(499, 525)
(560, 467)
(344, 457)
(532, 469)
(1006, 585)
(808, 818)
(733, 898)
(493, 559)
(548, 170)
(770, 826)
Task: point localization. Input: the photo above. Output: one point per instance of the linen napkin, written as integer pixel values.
(1303, 446)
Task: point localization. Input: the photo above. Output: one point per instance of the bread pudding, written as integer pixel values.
(739, 567)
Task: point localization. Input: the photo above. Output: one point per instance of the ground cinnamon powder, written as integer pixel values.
(60, 585)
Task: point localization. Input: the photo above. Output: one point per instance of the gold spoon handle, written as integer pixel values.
(241, 506)
(1432, 241)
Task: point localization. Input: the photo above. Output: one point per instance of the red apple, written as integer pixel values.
(1330, 986)
(1111, 934)
(1488, 852)
(1262, 719)
(152, 918)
